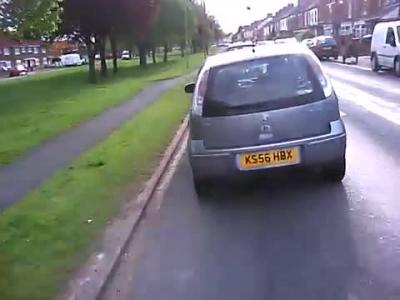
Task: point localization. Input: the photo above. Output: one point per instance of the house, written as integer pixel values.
(261, 28)
(356, 17)
(60, 47)
(284, 20)
(244, 33)
(327, 17)
(32, 54)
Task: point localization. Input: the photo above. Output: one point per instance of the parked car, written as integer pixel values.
(308, 42)
(70, 60)
(5, 66)
(254, 111)
(126, 55)
(18, 70)
(385, 47)
(325, 47)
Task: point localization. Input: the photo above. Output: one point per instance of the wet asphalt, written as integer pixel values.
(283, 236)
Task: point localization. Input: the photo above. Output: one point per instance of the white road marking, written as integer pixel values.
(388, 86)
(387, 110)
(342, 114)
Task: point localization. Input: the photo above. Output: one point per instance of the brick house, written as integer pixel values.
(356, 17)
(32, 54)
(328, 17)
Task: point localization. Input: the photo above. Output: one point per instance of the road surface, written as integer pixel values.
(284, 237)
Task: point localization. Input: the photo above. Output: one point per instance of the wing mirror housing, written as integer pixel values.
(189, 88)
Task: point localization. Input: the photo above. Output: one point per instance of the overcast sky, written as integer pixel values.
(232, 13)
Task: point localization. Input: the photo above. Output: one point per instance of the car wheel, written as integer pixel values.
(374, 63)
(397, 67)
(335, 171)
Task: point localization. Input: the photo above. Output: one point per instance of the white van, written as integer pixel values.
(69, 60)
(385, 47)
(126, 55)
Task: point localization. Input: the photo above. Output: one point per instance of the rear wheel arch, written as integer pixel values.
(374, 62)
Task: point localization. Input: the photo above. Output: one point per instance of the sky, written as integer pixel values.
(233, 13)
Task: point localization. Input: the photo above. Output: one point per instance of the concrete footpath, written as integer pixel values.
(33, 168)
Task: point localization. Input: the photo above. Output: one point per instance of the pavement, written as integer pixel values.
(364, 63)
(33, 168)
(283, 237)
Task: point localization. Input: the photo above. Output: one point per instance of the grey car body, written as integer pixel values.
(261, 99)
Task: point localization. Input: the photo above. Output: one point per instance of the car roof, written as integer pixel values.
(259, 51)
(240, 45)
(388, 23)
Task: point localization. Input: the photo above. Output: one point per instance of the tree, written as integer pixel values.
(29, 18)
(141, 15)
(79, 20)
(94, 21)
(169, 27)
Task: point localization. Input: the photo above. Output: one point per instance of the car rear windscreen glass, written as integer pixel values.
(261, 85)
(328, 41)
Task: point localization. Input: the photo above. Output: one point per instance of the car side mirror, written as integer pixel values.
(189, 88)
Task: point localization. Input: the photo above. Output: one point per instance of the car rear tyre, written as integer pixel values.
(335, 171)
(397, 67)
(374, 64)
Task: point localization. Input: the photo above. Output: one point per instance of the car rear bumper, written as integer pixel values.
(315, 151)
(327, 53)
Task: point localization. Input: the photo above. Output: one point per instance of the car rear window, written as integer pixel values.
(260, 85)
(328, 41)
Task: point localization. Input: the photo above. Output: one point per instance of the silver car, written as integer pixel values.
(261, 108)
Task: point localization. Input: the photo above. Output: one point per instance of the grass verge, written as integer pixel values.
(36, 108)
(47, 235)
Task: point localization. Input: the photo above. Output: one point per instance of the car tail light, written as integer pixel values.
(321, 76)
(200, 93)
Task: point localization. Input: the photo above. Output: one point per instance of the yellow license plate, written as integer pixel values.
(269, 159)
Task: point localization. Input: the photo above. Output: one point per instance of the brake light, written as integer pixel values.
(200, 93)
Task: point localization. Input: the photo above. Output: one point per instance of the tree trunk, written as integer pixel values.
(91, 56)
(194, 46)
(182, 49)
(165, 52)
(114, 50)
(153, 54)
(102, 50)
(142, 55)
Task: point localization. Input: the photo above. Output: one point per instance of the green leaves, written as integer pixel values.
(29, 18)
